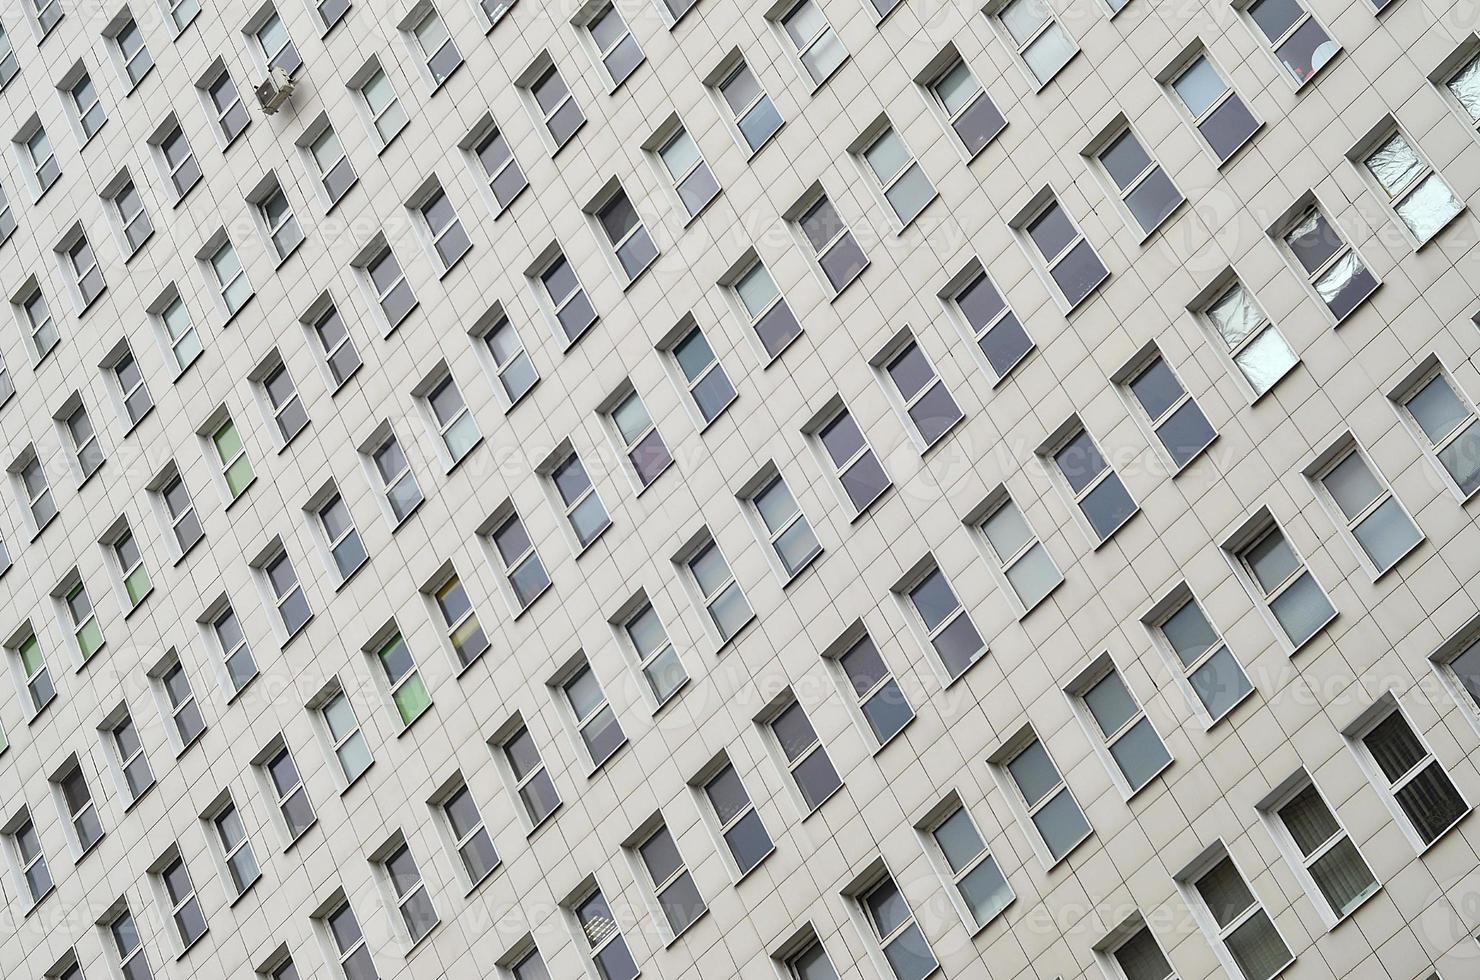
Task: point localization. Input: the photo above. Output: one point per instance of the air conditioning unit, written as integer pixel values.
(274, 93)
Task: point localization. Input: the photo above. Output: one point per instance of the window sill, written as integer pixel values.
(734, 638)
(180, 752)
(191, 945)
(1071, 308)
(879, 747)
(704, 427)
(395, 137)
(817, 86)
(335, 387)
(905, 226)
(502, 208)
(1238, 375)
(772, 359)
(788, 581)
(391, 328)
(613, 86)
(534, 599)
(598, 768)
(938, 440)
(1440, 230)
(1052, 862)
(703, 207)
(1338, 321)
(545, 821)
(134, 252)
(183, 195)
(1333, 925)
(635, 279)
(1116, 530)
(185, 553)
(129, 806)
(425, 939)
(295, 634)
(514, 403)
(1215, 722)
(87, 306)
(1377, 575)
(672, 697)
(1040, 86)
(558, 148)
(1237, 150)
(227, 142)
(234, 695)
(645, 487)
(463, 668)
(426, 711)
(1302, 86)
(439, 86)
(1127, 793)
(1145, 235)
(397, 525)
(37, 904)
(42, 527)
(751, 154)
(231, 315)
(352, 573)
(1446, 831)
(283, 259)
(476, 886)
(302, 834)
(242, 495)
(333, 204)
(449, 468)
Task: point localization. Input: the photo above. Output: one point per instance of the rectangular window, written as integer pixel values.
(511, 363)
(128, 755)
(1060, 250)
(604, 940)
(596, 722)
(640, 440)
(184, 525)
(292, 605)
(235, 654)
(86, 632)
(185, 911)
(806, 758)
(557, 108)
(533, 785)
(37, 492)
(1217, 111)
(656, 656)
(387, 117)
(289, 795)
(530, 966)
(184, 712)
(464, 631)
(787, 531)
(87, 828)
(1252, 343)
(703, 375)
(349, 944)
(567, 298)
(923, 399)
(1279, 580)
(449, 241)
(613, 43)
(892, 922)
(739, 822)
(179, 160)
(992, 324)
(408, 691)
(1415, 191)
(288, 414)
(811, 963)
(402, 493)
(44, 168)
(1410, 779)
(231, 114)
(27, 844)
(765, 308)
(340, 354)
(1331, 266)
(184, 341)
(521, 563)
(88, 105)
(753, 111)
(236, 848)
(1093, 485)
(1046, 801)
(85, 272)
(129, 205)
(183, 13)
(9, 66)
(44, 333)
(86, 449)
(1444, 420)
(336, 173)
(1363, 504)
(351, 751)
(720, 594)
(389, 286)
(625, 234)
(1332, 870)
(880, 700)
(1143, 187)
(438, 51)
(1463, 86)
(898, 174)
(470, 838)
(338, 527)
(834, 248)
(412, 900)
(947, 626)
(1171, 413)
(39, 687)
(816, 44)
(686, 167)
(1235, 921)
(330, 13)
(674, 886)
(282, 227)
(454, 422)
(1213, 675)
(1299, 42)
(971, 113)
(1138, 956)
(132, 961)
(274, 44)
(130, 561)
(1125, 735)
(972, 869)
(854, 462)
(232, 284)
(501, 170)
(7, 218)
(1024, 563)
(1038, 37)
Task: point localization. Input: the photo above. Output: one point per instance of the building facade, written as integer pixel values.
(842, 489)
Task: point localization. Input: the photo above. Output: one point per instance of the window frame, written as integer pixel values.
(1235, 547)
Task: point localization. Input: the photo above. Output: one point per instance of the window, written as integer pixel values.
(904, 185)
(569, 305)
(493, 12)
(180, 334)
(128, 755)
(786, 529)
(1277, 578)
(349, 943)
(236, 848)
(1216, 110)
(235, 654)
(470, 838)
(639, 439)
(87, 828)
(1144, 188)
(1039, 39)
(129, 205)
(351, 752)
(1060, 250)
(1138, 956)
(43, 160)
(86, 274)
(854, 462)
(991, 324)
(464, 631)
(1092, 483)
(453, 421)
(402, 493)
(522, 567)
(1299, 42)
(947, 626)
(677, 8)
(880, 700)
(703, 376)
(388, 285)
(754, 113)
(282, 228)
(226, 102)
(604, 939)
(971, 113)
(596, 722)
(817, 45)
(132, 50)
(37, 676)
(1178, 422)
(88, 106)
(834, 248)
(626, 234)
(1329, 264)
(130, 560)
(1410, 185)
(7, 218)
(718, 591)
(686, 168)
(449, 241)
(338, 527)
(1124, 736)
(1021, 559)
(236, 469)
(289, 796)
(1044, 800)
(185, 911)
(928, 407)
(739, 823)
(1360, 501)
(656, 657)
(805, 756)
(336, 173)
(1331, 869)
(1234, 920)
(1463, 85)
(387, 117)
(613, 43)
(330, 13)
(556, 107)
(184, 525)
(44, 333)
(438, 51)
(412, 901)
(408, 691)
(1412, 782)
(231, 279)
(9, 66)
(530, 966)
(1253, 345)
(86, 632)
(1214, 680)
(535, 789)
(288, 414)
(37, 492)
(27, 844)
(84, 438)
(182, 12)
(184, 712)
(674, 886)
(340, 355)
(179, 160)
(48, 14)
(1443, 421)
(500, 170)
(811, 963)
(970, 867)
(895, 930)
(765, 308)
(287, 594)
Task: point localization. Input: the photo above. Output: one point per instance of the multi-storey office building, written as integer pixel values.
(829, 489)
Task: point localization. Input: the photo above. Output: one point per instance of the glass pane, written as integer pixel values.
(1224, 892)
(1051, 231)
(887, 711)
(1307, 50)
(933, 599)
(1436, 408)
(1387, 534)
(1257, 947)
(748, 841)
(1228, 127)
(1199, 86)
(1220, 683)
(909, 955)
(1275, 17)
(959, 841)
(1462, 459)
(1079, 272)
(865, 480)
(1343, 877)
(1394, 746)
(958, 645)
(1186, 433)
(1302, 609)
(1108, 506)
(1466, 88)
(1124, 159)
(1033, 772)
(1313, 240)
(1271, 560)
(1110, 703)
(1061, 823)
(985, 890)
(1429, 207)
(887, 156)
(1033, 576)
(1431, 802)
(1394, 164)
(1345, 285)
(1141, 958)
(1007, 531)
(1023, 17)
(1140, 754)
(816, 778)
(1266, 360)
(1153, 200)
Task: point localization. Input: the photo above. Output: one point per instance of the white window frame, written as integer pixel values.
(1186, 882)
(1269, 814)
(1345, 447)
(888, 356)
(1048, 453)
(1101, 668)
(995, 503)
(1041, 203)
(1179, 598)
(1221, 288)
(1235, 546)
(1125, 379)
(1432, 368)
(1306, 205)
(926, 830)
(999, 762)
